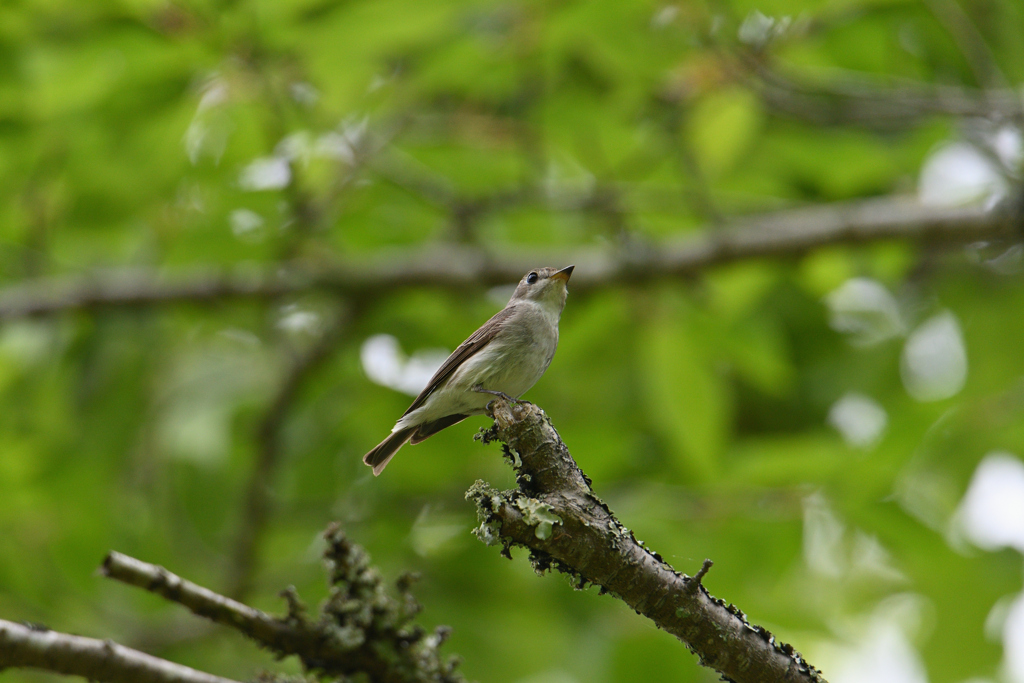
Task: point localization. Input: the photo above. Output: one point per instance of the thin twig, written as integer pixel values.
(97, 660)
(860, 103)
(701, 573)
(970, 41)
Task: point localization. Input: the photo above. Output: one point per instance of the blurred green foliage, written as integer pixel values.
(164, 135)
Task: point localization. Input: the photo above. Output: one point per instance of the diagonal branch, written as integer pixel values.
(782, 233)
(859, 103)
(972, 44)
(97, 660)
(203, 602)
(361, 628)
(555, 514)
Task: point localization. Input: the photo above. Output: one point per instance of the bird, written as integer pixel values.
(505, 358)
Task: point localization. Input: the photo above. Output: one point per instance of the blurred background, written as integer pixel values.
(209, 212)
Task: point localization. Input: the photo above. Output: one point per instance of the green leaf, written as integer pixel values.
(687, 400)
(721, 127)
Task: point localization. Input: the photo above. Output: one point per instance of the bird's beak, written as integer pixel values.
(563, 274)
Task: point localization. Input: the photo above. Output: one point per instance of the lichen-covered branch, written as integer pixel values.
(361, 629)
(97, 660)
(555, 514)
(777, 234)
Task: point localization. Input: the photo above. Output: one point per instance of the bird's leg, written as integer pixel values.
(480, 390)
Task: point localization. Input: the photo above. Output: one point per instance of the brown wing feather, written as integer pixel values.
(474, 343)
(430, 428)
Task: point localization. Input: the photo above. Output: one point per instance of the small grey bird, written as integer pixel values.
(506, 356)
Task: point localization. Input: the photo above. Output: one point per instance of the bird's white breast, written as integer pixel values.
(511, 363)
(518, 356)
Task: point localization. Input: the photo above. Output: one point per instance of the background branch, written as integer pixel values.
(857, 102)
(259, 497)
(96, 660)
(361, 629)
(555, 514)
(970, 41)
(782, 233)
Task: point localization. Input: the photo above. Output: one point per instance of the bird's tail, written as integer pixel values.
(380, 456)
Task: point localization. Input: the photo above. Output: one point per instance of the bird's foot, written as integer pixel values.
(501, 394)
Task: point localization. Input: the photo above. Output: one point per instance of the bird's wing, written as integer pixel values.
(468, 348)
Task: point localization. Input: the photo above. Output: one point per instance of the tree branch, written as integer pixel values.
(555, 514)
(96, 660)
(361, 629)
(972, 44)
(782, 233)
(855, 102)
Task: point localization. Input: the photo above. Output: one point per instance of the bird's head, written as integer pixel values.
(545, 286)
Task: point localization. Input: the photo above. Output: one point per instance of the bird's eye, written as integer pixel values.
(531, 278)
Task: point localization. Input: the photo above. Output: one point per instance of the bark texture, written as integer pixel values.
(555, 514)
(97, 660)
